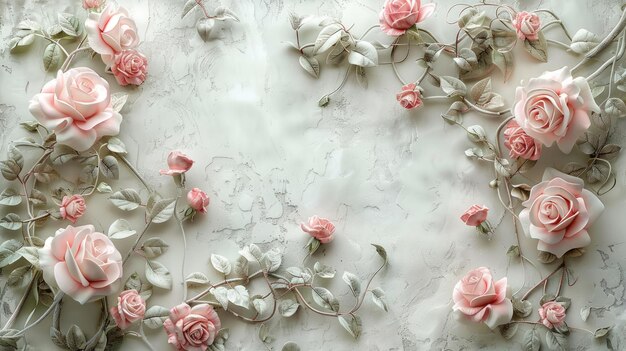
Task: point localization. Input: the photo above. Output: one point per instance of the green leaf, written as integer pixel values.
(19, 275)
(522, 308)
(546, 257)
(584, 313)
(601, 332)
(197, 279)
(508, 330)
(221, 264)
(379, 298)
(62, 155)
(290, 346)
(364, 54)
(189, 5)
(75, 338)
(311, 65)
(221, 295)
(381, 252)
(31, 254)
(324, 271)
(109, 167)
(327, 37)
(583, 41)
(288, 307)
(239, 296)
(615, 108)
(155, 316)
(271, 260)
(52, 57)
(241, 266)
(452, 86)
(353, 326)
(133, 282)
(325, 298)
(116, 145)
(361, 77)
(259, 305)
(120, 229)
(162, 211)
(118, 100)
(264, 333)
(10, 169)
(10, 197)
(153, 247)
(556, 341)
(21, 41)
(70, 24)
(37, 197)
(323, 101)
(158, 275)
(127, 199)
(8, 252)
(531, 342)
(353, 282)
(204, 26)
(104, 188)
(537, 48)
(11, 222)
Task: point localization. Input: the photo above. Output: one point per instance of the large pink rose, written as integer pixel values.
(481, 299)
(72, 207)
(520, 144)
(192, 328)
(527, 25)
(320, 228)
(555, 108)
(552, 314)
(77, 107)
(559, 212)
(130, 308)
(111, 32)
(129, 67)
(410, 97)
(81, 262)
(399, 15)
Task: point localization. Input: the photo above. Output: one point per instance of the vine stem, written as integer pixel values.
(224, 282)
(182, 232)
(135, 172)
(20, 304)
(543, 281)
(618, 55)
(134, 247)
(54, 42)
(57, 299)
(619, 27)
(143, 338)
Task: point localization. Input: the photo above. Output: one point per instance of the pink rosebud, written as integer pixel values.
(130, 67)
(520, 144)
(319, 228)
(410, 96)
(475, 215)
(92, 4)
(527, 25)
(178, 163)
(198, 200)
(130, 308)
(552, 314)
(399, 15)
(192, 328)
(72, 207)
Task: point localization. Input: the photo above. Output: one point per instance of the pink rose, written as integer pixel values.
(475, 215)
(130, 308)
(178, 163)
(520, 144)
(555, 108)
(410, 96)
(72, 207)
(481, 299)
(198, 200)
(552, 314)
(111, 32)
(130, 67)
(77, 107)
(319, 228)
(527, 25)
(92, 4)
(559, 212)
(192, 328)
(399, 15)
(81, 262)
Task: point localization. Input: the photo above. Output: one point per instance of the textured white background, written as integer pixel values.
(242, 107)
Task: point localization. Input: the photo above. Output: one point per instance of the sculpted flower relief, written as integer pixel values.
(111, 32)
(527, 25)
(192, 328)
(130, 308)
(398, 16)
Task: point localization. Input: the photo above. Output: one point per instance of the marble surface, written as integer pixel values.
(270, 157)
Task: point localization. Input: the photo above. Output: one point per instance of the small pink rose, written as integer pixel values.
(558, 213)
(198, 200)
(192, 328)
(92, 4)
(399, 15)
(410, 96)
(319, 228)
(72, 207)
(552, 314)
(475, 215)
(130, 308)
(178, 163)
(520, 144)
(82, 263)
(77, 107)
(555, 108)
(110, 32)
(527, 25)
(129, 67)
(481, 299)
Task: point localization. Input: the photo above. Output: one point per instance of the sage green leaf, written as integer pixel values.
(327, 37)
(155, 316)
(109, 167)
(325, 298)
(153, 247)
(583, 41)
(290, 346)
(158, 275)
(10, 197)
(364, 54)
(288, 307)
(52, 57)
(221, 264)
(353, 282)
(197, 279)
(452, 86)
(118, 100)
(311, 65)
(353, 325)
(75, 338)
(556, 341)
(116, 145)
(120, 229)
(531, 341)
(379, 298)
(11, 222)
(189, 5)
(70, 24)
(162, 211)
(127, 199)
(324, 271)
(537, 48)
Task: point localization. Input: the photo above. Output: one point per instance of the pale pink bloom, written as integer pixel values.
(198, 200)
(192, 328)
(481, 299)
(555, 108)
(410, 96)
(559, 212)
(111, 31)
(475, 215)
(319, 228)
(178, 163)
(77, 107)
(92, 4)
(130, 308)
(72, 207)
(527, 25)
(552, 314)
(520, 144)
(82, 263)
(130, 67)
(399, 15)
